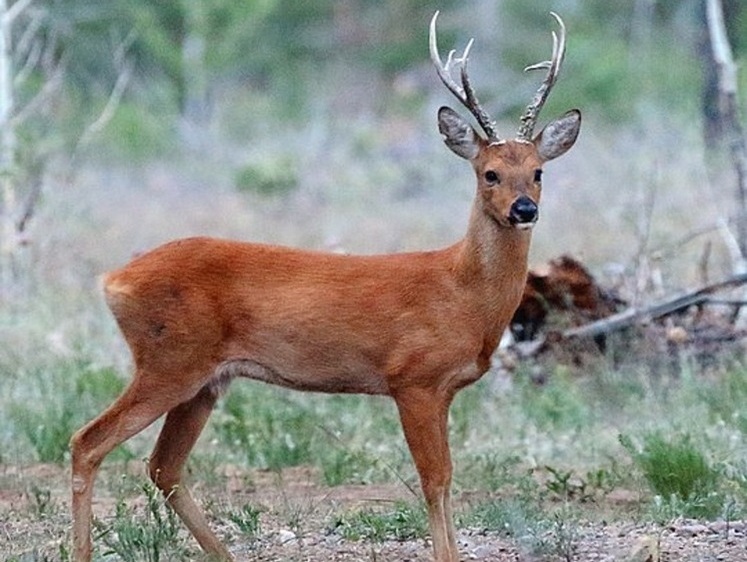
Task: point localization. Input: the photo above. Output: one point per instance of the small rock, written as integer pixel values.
(285, 536)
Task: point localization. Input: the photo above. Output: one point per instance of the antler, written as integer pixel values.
(529, 119)
(464, 93)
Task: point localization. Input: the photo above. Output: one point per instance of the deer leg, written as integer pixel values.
(180, 431)
(139, 406)
(424, 416)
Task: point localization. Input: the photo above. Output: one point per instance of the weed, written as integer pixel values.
(511, 517)
(405, 522)
(565, 485)
(247, 520)
(81, 391)
(270, 435)
(48, 429)
(519, 518)
(562, 537)
(342, 466)
(146, 534)
(42, 504)
(678, 473)
(491, 471)
(726, 398)
(557, 404)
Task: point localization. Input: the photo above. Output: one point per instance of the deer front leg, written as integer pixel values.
(424, 417)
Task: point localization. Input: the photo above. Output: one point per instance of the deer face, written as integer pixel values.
(509, 172)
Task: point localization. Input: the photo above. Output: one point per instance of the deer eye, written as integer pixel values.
(491, 177)
(537, 175)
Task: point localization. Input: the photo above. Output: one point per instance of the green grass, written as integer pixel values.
(149, 533)
(404, 522)
(247, 520)
(270, 428)
(68, 394)
(679, 474)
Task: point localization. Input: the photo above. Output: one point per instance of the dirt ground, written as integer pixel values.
(34, 523)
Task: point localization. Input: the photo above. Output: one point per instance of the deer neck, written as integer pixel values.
(492, 260)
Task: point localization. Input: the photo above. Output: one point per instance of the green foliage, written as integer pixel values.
(268, 177)
(342, 466)
(269, 434)
(405, 522)
(678, 471)
(511, 517)
(146, 534)
(726, 398)
(82, 391)
(247, 521)
(139, 134)
(559, 403)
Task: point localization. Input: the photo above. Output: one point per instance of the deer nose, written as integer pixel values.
(523, 211)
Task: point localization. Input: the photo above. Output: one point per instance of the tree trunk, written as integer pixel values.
(195, 102)
(9, 245)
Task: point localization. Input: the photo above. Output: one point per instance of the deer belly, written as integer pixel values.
(327, 380)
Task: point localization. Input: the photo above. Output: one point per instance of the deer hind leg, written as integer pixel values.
(424, 417)
(180, 431)
(139, 406)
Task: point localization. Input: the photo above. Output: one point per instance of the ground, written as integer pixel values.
(295, 523)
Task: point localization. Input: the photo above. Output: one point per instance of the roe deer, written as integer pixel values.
(199, 312)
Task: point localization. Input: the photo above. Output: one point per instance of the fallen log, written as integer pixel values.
(634, 316)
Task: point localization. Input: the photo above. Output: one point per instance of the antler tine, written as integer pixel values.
(464, 93)
(529, 119)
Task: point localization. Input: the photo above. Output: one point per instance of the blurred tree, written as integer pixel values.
(46, 48)
(735, 20)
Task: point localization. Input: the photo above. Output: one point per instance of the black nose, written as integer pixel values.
(523, 211)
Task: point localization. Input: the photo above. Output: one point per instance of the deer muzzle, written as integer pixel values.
(524, 212)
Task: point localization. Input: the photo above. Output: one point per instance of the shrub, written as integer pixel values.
(146, 534)
(269, 177)
(678, 473)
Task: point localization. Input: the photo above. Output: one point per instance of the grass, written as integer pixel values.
(149, 533)
(531, 462)
(678, 473)
(404, 522)
(82, 391)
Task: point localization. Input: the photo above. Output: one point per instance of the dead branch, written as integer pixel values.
(115, 97)
(126, 70)
(634, 316)
(50, 87)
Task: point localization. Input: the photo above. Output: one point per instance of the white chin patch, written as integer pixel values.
(525, 225)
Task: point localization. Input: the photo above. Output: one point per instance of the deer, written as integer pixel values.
(198, 312)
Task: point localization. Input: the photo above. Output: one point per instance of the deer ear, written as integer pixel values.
(458, 135)
(558, 136)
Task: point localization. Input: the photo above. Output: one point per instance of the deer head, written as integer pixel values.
(509, 172)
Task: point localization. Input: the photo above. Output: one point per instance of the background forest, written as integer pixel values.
(269, 98)
(126, 123)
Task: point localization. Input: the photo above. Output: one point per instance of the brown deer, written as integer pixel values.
(199, 312)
